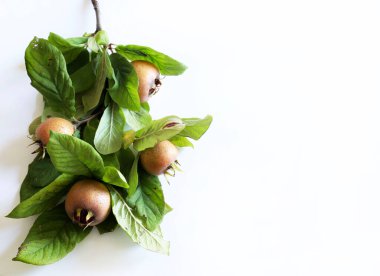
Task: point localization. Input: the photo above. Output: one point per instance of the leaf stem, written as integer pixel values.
(95, 3)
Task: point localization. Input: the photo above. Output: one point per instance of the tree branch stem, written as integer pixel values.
(95, 3)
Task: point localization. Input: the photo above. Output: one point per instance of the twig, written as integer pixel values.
(95, 3)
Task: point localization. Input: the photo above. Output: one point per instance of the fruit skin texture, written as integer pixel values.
(55, 124)
(149, 78)
(158, 159)
(91, 196)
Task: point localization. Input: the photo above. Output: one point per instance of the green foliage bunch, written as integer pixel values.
(93, 84)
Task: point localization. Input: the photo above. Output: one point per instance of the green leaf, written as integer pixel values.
(148, 200)
(134, 227)
(125, 88)
(77, 41)
(76, 133)
(168, 209)
(52, 236)
(126, 159)
(44, 199)
(82, 59)
(109, 225)
(70, 48)
(103, 69)
(34, 125)
(158, 131)
(93, 45)
(108, 137)
(79, 107)
(111, 160)
(27, 187)
(73, 156)
(46, 68)
(181, 141)
(196, 127)
(42, 172)
(90, 130)
(167, 65)
(114, 177)
(101, 38)
(146, 106)
(128, 138)
(133, 177)
(49, 112)
(89, 135)
(137, 120)
(83, 78)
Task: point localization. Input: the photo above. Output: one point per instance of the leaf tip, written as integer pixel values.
(13, 214)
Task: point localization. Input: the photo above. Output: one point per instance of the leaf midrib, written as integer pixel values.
(62, 228)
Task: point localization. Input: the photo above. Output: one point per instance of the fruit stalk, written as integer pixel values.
(95, 3)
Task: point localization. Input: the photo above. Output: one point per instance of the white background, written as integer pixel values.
(286, 181)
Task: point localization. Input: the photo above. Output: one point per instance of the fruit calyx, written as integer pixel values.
(156, 87)
(83, 217)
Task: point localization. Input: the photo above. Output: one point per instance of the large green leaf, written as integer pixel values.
(89, 136)
(126, 159)
(111, 160)
(196, 127)
(73, 156)
(46, 68)
(158, 131)
(48, 112)
(114, 177)
(44, 199)
(124, 90)
(101, 38)
(103, 69)
(42, 172)
(134, 227)
(137, 120)
(70, 48)
(28, 187)
(80, 114)
(90, 130)
(148, 200)
(167, 65)
(109, 225)
(78, 41)
(82, 59)
(52, 236)
(128, 138)
(133, 177)
(146, 106)
(181, 141)
(108, 137)
(83, 78)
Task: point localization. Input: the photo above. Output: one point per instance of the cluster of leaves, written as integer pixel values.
(86, 78)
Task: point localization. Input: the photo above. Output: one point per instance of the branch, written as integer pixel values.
(95, 3)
